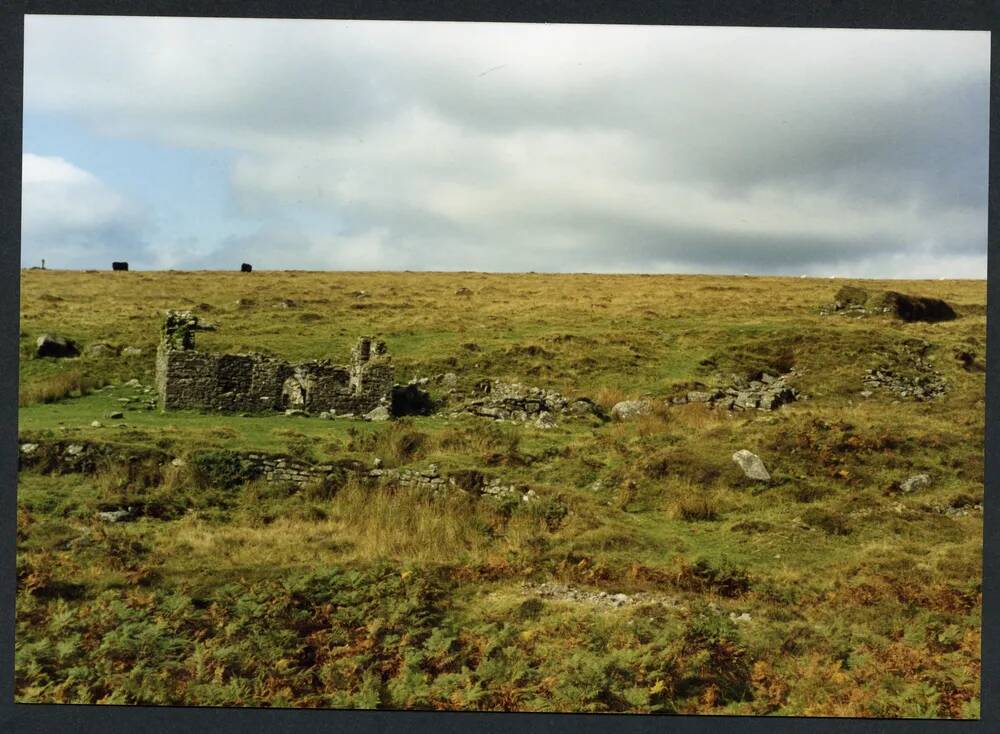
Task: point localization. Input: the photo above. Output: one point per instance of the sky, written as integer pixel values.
(369, 145)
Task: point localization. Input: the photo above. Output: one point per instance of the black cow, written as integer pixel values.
(119, 266)
(246, 268)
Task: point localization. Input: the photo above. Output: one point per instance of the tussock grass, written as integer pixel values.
(58, 386)
(693, 509)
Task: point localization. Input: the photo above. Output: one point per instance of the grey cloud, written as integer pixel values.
(476, 146)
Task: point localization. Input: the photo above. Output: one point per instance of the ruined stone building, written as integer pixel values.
(188, 378)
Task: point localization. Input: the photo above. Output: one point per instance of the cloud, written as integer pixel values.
(71, 218)
(545, 147)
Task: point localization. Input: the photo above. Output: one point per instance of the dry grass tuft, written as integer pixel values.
(58, 386)
(606, 397)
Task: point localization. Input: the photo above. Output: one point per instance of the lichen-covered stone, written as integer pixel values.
(751, 465)
(627, 409)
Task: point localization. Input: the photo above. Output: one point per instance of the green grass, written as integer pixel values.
(861, 601)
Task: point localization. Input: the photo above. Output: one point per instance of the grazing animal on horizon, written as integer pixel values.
(246, 268)
(119, 266)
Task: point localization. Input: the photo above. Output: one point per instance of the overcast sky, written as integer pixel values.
(203, 143)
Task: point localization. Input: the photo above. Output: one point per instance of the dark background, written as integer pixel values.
(914, 14)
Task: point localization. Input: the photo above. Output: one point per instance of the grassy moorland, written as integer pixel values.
(826, 591)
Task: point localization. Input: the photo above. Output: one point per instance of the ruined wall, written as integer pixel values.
(189, 379)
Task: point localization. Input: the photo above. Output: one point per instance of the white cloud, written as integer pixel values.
(68, 216)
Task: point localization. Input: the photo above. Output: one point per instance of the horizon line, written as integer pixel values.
(492, 272)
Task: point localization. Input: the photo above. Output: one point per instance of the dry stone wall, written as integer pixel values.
(190, 379)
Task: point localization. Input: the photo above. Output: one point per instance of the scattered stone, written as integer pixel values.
(116, 515)
(627, 409)
(545, 420)
(917, 481)
(178, 462)
(584, 406)
(509, 401)
(377, 462)
(74, 449)
(28, 448)
(326, 415)
(764, 392)
(53, 345)
(134, 382)
(96, 424)
(745, 617)
(295, 411)
(115, 415)
(131, 352)
(751, 465)
(908, 373)
(381, 413)
(562, 592)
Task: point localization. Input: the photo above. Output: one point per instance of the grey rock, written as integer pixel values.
(699, 396)
(28, 448)
(627, 409)
(115, 515)
(545, 420)
(381, 413)
(751, 465)
(96, 424)
(295, 411)
(74, 449)
(917, 481)
(131, 352)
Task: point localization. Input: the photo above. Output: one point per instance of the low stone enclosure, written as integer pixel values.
(190, 379)
(88, 457)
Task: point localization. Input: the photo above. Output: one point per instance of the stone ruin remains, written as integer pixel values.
(762, 392)
(510, 401)
(855, 300)
(190, 379)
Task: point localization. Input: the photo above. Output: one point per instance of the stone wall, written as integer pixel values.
(190, 379)
(87, 457)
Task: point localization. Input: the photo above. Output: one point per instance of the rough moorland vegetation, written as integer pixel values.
(614, 559)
